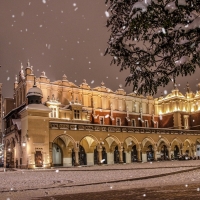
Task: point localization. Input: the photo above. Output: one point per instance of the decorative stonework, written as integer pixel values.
(93, 127)
(64, 126)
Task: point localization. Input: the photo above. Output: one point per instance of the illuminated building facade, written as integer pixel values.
(61, 124)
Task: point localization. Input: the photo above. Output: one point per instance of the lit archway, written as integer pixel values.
(131, 145)
(148, 149)
(89, 154)
(62, 150)
(111, 144)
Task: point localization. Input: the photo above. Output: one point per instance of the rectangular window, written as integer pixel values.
(53, 113)
(146, 123)
(133, 123)
(118, 121)
(101, 120)
(76, 114)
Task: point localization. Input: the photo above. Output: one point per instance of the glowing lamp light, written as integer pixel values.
(9, 149)
(23, 144)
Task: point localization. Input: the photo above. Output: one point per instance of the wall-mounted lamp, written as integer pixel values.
(23, 144)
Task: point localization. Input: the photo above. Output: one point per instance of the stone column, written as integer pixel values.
(181, 149)
(169, 152)
(76, 157)
(76, 151)
(99, 149)
(139, 154)
(155, 149)
(51, 154)
(120, 154)
(193, 151)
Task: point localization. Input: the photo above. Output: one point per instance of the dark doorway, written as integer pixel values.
(150, 153)
(134, 154)
(116, 155)
(124, 156)
(38, 159)
(16, 163)
(96, 156)
(104, 156)
(73, 157)
(176, 152)
(82, 156)
(164, 153)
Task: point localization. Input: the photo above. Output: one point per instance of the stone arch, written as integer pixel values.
(146, 141)
(110, 141)
(177, 141)
(198, 141)
(89, 153)
(188, 147)
(163, 140)
(131, 146)
(62, 147)
(148, 149)
(163, 147)
(176, 146)
(89, 142)
(111, 144)
(64, 138)
(9, 152)
(130, 141)
(189, 141)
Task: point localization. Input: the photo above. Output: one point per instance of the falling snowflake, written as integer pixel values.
(165, 92)
(107, 14)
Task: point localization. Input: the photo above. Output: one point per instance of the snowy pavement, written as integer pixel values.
(27, 184)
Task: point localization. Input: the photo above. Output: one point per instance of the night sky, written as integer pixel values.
(61, 37)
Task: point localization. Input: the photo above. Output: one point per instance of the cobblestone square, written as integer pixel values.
(151, 180)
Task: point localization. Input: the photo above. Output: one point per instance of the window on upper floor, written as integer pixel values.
(118, 121)
(146, 123)
(133, 123)
(53, 112)
(76, 114)
(101, 120)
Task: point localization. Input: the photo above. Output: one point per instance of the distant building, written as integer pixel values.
(61, 124)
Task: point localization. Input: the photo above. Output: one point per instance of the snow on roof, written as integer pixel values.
(40, 107)
(34, 91)
(17, 122)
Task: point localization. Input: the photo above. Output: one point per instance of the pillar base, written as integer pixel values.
(76, 164)
(99, 163)
(121, 162)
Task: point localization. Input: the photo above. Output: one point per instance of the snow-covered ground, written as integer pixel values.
(26, 184)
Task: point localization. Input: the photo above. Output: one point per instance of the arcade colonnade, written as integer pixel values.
(66, 150)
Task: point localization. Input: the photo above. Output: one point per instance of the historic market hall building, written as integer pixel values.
(61, 124)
